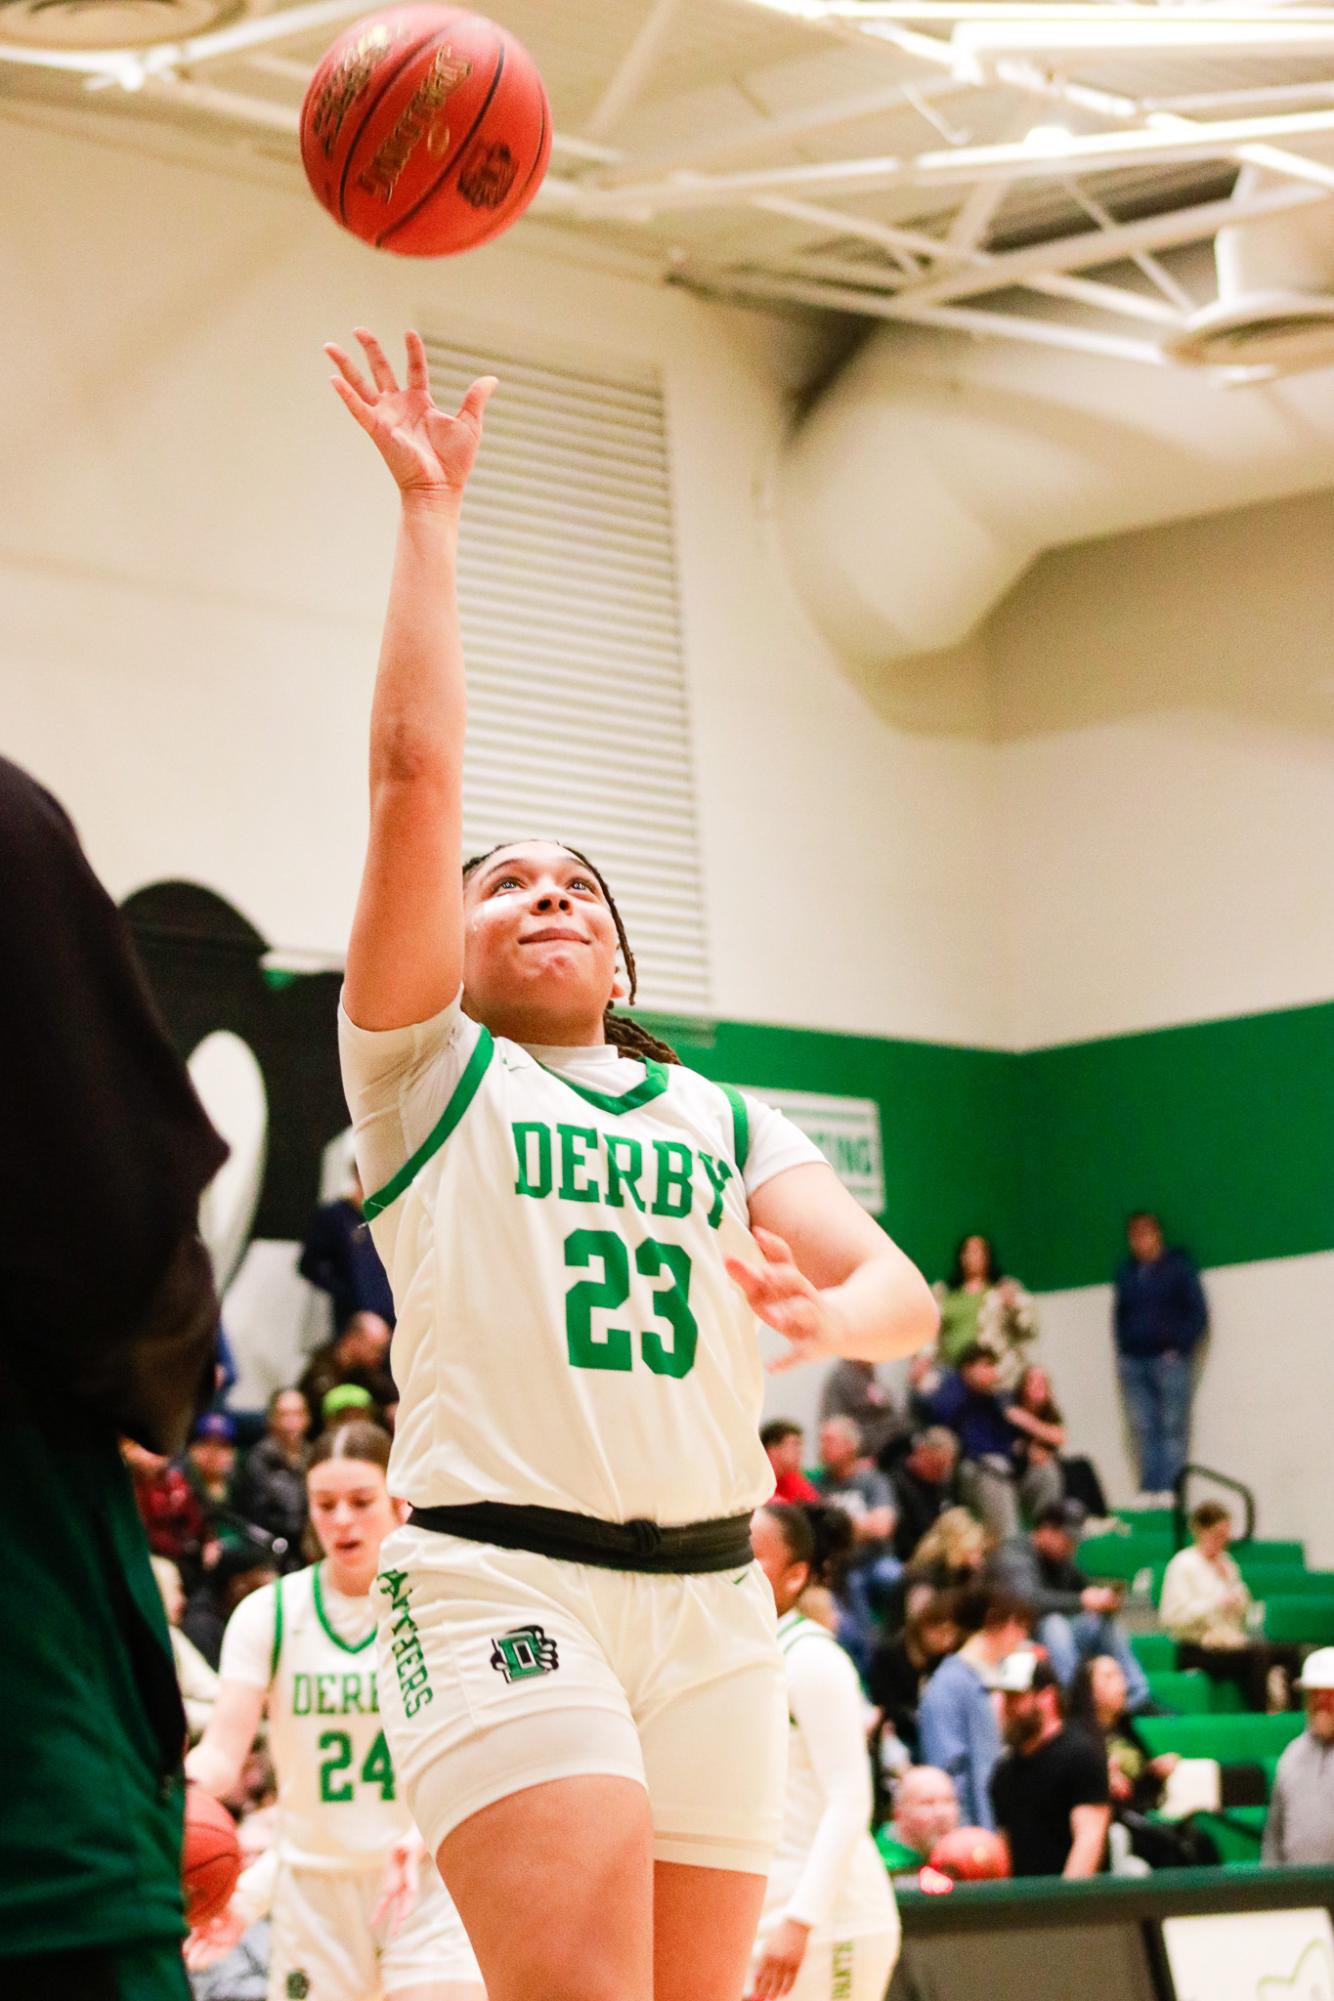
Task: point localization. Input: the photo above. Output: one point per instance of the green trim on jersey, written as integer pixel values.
(794, 1626)
(348, 1646)
(277, 1628)
(740, 1125)
(462, 1096)
(651, 1085)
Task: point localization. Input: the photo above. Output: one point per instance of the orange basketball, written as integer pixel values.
(210, 1856)
(425, 130)
(971, 1855)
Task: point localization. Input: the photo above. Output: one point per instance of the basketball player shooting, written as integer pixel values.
(579, 1679)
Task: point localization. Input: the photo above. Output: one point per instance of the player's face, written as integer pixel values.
(350, 1512)
(786, 1578)
(540, 939)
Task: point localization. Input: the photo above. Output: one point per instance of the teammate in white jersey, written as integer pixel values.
(578, 1670)
(359, 1910)
(830, 1926)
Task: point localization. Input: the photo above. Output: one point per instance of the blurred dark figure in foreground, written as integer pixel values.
(107, 1321)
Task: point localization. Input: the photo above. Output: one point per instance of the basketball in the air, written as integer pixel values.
(210, 1856)
(971, 1855)
(425, 130)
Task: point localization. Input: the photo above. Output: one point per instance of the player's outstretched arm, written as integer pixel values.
(832, 1281)
(405, 958)
(216, 1760)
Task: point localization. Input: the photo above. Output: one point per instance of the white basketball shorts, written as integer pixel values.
(499, 1670)
(324, 1945)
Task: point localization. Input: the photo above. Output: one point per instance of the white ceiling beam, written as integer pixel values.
(1118, 31)
(1096, 247)
(628, 80)
(1157, 274)
(121, 64)
(869, 305)
(963, 165)
(1149, 21)
(788, 129)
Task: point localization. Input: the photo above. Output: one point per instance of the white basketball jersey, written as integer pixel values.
(836, 1884)
(337, 1802)
(567, 1334)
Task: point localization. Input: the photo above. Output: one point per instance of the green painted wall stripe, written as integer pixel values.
(1225, 1127)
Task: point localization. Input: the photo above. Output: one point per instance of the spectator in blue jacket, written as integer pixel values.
(957, 1725)
(339, 1257)
(1160, 1317)
(994, 1476)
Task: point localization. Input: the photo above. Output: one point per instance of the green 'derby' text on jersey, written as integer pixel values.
(567, 1334)
(337, 1801)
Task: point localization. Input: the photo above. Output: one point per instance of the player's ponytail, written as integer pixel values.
(623, 1032)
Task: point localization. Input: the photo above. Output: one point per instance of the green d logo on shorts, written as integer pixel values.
(523, 1653)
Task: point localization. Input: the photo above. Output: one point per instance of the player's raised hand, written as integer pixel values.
(783, 1297)
(426, 450)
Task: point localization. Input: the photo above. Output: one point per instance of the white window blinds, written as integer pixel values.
(578, 722)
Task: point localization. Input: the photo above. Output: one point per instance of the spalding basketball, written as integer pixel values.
(210, 1857)
(426, 130)
(971, 1855)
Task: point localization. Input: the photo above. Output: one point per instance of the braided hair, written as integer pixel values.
(627, 1036)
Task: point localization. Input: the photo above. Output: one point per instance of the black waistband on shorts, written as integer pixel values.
(717, 1545)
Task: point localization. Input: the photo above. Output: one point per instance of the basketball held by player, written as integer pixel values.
(578, 1670)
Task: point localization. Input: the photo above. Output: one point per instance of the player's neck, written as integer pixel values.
(542, 1028)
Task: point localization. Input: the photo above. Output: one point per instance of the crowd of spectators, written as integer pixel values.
(1002, 1689)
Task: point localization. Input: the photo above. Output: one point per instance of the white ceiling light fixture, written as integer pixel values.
(1275, 304)
(1048, 138)
(116, 24)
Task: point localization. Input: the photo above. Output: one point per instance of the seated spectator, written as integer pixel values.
(195, 1678)
(239, 1568)
(270, 1488)
(783, 1441)
(854, 1390)
(901, 1667)
(171, 1511)
(951, 1556)
(981, 1309)
(339, 1257)
(926, 1809)
(923, 1485)
(990, 1429)
(1076, 1618)
(209, 1463)
(956, 1723)
(1049, 1793)
(1033, 1393)
(358, 1355)
(865, 1497)
(1136, 1779)
(1205, 1606)
(1300, 1826)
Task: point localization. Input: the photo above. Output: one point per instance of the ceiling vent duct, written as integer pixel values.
(1275, 304)
(65, 26)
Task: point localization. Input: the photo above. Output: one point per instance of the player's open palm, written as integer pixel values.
(783, 1297)
(426, 450)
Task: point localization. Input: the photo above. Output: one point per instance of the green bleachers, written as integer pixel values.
(1232, 1740)
(1305, 1621)
(1155, 1652)
(1238, 1832)
(1186, 1693)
